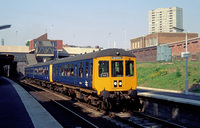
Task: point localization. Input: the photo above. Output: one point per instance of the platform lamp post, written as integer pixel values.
(185, 54)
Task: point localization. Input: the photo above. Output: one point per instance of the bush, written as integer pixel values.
(178, 72)
(197, 80)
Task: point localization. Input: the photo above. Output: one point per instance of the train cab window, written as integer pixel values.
(103, 68)
(117, 68)
(129, 68)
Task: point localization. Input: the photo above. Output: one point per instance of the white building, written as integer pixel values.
(164, 19)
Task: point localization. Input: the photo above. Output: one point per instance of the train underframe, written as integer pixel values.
(106, 100)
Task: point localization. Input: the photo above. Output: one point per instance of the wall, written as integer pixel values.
(193, 48)
(149, 54)
(145, 54)
(159, 38)
(184, 114)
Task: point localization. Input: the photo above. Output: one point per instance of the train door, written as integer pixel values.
(55, 73)
(80, 75)
(90, 73)
(75, 74)
(117, 74)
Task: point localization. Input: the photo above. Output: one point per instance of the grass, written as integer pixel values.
(168, 75)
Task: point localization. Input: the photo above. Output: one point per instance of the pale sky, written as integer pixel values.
(87, 22)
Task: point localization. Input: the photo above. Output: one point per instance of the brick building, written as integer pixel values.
(159, 38)
(45, 48)
(149, 54)
(58, 44)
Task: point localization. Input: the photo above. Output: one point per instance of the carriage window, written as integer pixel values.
(47, 71)
(103, 68)
(129, 68)
(117, 68)
(86, 63)
(80, 74)
(91, 69)
(86, 72)
(75, 69)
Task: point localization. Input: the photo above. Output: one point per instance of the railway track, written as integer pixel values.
(139, 120)
(57, 108)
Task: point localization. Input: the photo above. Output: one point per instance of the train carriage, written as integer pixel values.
(108, 74)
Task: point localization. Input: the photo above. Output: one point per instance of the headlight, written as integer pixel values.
(120, 83)
(115, 83)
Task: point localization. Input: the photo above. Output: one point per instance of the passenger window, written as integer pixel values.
(80, 69)
(91, 69)
(129, 68)
(86, 72)
(103, 68)
(80, 72)
(75, 70)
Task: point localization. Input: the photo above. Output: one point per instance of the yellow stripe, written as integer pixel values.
(50, 72)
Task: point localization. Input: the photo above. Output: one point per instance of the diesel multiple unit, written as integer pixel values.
(101, 78)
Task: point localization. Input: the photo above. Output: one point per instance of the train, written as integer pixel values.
(104, 78)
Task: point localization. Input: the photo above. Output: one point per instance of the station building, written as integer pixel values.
(40, 49)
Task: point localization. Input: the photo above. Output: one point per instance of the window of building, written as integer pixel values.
(151, 42)
(147, 43)
(155, 41)
(54, 43)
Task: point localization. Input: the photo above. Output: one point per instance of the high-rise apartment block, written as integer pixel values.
(164, 19)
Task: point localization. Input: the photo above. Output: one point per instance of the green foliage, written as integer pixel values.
(27, 43)
(197, 90)
(197, 80)
(167, 76)
(178, 72)
(158, 73)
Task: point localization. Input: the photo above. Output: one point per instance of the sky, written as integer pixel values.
(87, 22)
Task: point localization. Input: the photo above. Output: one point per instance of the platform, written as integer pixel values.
(19, 109)
(170, 95)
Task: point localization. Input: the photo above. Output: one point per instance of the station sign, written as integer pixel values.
(185, 54)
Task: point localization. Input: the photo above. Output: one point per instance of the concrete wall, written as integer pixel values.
(187, 115)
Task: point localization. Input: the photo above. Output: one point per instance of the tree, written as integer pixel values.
(27, 43)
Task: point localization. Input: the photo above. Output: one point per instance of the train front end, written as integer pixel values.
(115, 77)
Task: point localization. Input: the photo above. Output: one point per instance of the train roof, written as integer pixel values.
(40, 64)
(106, 52)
